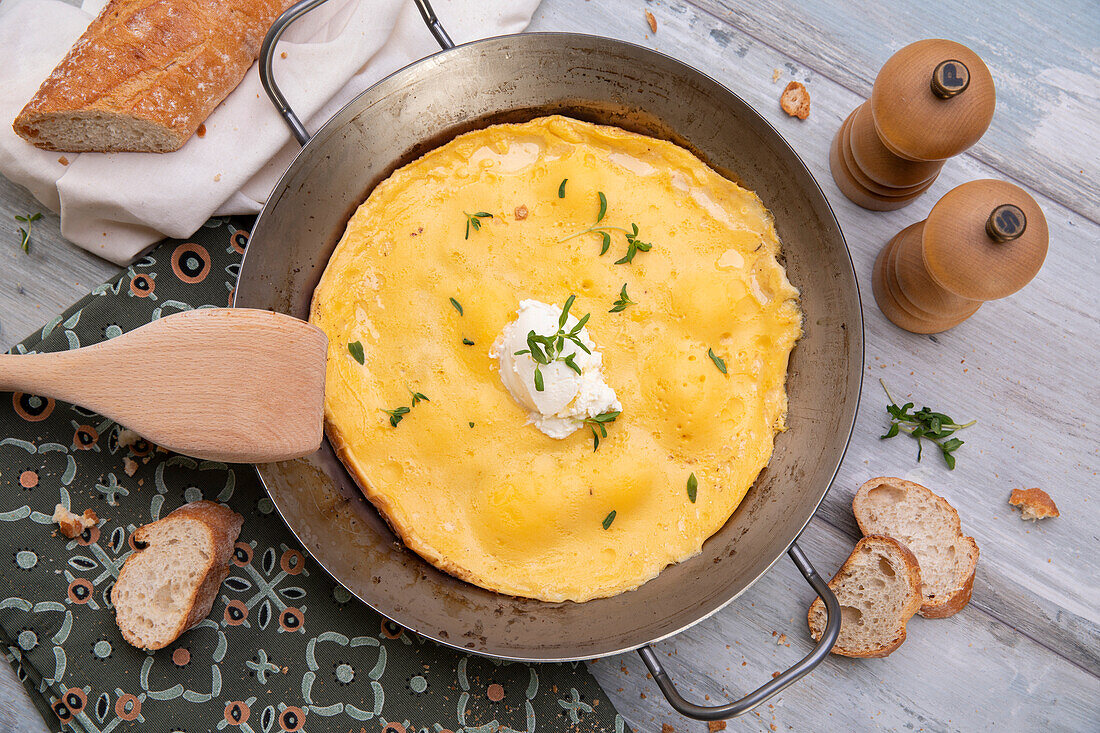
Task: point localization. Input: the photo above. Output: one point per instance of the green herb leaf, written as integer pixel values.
(924, 424)
(474, 221)
(561, 188)
(609, 519)
(471, 425)
(418, 397)
(623, 301)
(467, 342)
(355, 348)
(603, 207)
(606, 243)
(565, 311)
(693, 487)
(598, 425)
(718, 361)
(396, 414)
(539, 386)
(458, 306)
(25, 234)
(571, 364)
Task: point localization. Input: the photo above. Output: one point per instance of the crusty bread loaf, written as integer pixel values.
(878, 588)
(145, 74)
(170, 585)
(930, 527)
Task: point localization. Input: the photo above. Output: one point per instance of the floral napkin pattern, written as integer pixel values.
(285, 647)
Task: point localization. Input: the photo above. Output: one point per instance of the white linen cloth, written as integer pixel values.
(115, 205)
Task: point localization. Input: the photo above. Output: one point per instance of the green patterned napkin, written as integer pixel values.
(285, 648)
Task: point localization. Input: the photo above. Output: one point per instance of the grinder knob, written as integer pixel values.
(982, 241)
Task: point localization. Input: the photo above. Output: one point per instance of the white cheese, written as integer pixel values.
(567, 398)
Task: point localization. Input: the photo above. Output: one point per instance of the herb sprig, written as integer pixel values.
(623, 301)
(633, 244)
(25, 234)
(599, 423)
(397, 414)
(474, 220)
(545, 350)
(924, 424)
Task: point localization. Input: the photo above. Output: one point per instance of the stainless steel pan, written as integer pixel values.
(517, 78)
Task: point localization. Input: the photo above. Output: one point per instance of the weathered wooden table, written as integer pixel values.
(1025, 654)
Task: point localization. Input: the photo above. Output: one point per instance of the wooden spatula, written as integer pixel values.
(223, 384)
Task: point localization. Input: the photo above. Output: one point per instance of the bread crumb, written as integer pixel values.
(129, 465)
(776, 73)
(1034, 504)
(795, 100)
(782, 640)
(127, 438)
(652, 21)
(73, 525)
(201, 132)
(521, 213)
(282, 55)
(666, 728)
(217, 177)
(716, 725)
(63, 160)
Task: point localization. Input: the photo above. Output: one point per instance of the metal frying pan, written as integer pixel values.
(516, 78)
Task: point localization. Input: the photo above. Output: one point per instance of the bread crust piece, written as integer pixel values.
(815, 617)
(223, 525)
(795, 100)
(157, 68)
(960, 594)
(1034, 504)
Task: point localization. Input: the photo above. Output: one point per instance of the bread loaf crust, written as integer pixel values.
(154, 69)
(223, 526)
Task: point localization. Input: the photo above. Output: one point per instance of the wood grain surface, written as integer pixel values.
(1025, 654)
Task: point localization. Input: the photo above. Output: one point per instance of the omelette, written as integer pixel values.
(678, 364)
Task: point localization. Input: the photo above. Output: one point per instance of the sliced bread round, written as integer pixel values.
(929, 526)
(169, 585)
(878, 588)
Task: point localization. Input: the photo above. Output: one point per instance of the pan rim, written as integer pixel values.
(330, 125)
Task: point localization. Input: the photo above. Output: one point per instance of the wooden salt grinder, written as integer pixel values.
(932, 100)
(982, 241)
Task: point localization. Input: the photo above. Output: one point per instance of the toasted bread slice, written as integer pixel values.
(930, 528)
(879, 591)
(170, 584)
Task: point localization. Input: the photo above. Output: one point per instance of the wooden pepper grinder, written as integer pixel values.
(932, 100)
(982, 241)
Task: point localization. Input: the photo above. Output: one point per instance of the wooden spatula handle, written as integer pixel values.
(232, 385)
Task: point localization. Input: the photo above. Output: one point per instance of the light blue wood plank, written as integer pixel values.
(1045, 60)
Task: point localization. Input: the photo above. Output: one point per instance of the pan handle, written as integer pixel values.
(291, 14)
(762, 693)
